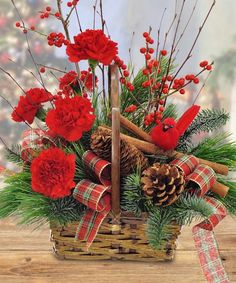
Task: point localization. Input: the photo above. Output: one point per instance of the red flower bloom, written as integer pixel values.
(94, 45)
(87, 80)
(53, 173)
(71, 117)
(69, 80)
(29, 104)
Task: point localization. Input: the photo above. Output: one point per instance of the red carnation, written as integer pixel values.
(87, 80)
(93, 45)
(68, 81)
(71, 117)
(53, 173)
(29, 104)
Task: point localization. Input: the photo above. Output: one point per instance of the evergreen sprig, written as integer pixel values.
(219, 148)
(206, 121)
(13, 155)
(159, 227)
(132, 198)
(17, 198)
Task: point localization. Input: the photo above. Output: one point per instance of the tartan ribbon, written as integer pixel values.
(202, 175)
(95, 196)
(203, 235)
(207, 247)
(34, 140)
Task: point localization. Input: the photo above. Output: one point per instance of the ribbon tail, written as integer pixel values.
(207, 247)
(89, 226)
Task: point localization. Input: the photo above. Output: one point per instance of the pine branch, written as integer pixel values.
(159, 227)
(189, 207)
(14, 155)
(222, 150)
(206, 121)
(132, 198)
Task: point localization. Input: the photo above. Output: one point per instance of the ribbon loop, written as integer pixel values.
(100, 167)
(202, 175)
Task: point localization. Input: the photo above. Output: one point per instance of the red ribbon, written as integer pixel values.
(95, 196)
(203, 234)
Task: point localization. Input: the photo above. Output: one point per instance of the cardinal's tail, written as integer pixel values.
(187, 118)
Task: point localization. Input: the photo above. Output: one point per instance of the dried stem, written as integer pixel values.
(101, 12)
(78, 20)
(94, 13)
(203, 85)
(13, 79)
(159, 32)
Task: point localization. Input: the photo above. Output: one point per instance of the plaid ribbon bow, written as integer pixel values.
(95, 196)
(203, 234)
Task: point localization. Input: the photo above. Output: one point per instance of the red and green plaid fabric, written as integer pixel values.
(32, 140)
(202, 175)
(207, 246)
(100, 167)
(95, 196)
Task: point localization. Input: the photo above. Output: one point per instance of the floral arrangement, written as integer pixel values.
(163, 171)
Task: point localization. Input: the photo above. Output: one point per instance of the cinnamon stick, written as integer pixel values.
(150, 148)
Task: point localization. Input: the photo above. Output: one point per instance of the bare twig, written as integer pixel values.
(77, 16)
(13, 79)
(94, 13)
(52, 68)
(159, 32)
(203, 86)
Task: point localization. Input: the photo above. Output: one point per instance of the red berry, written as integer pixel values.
(57, 15)
(17, 24)
(69, 4)
(181, 81)
(46, 15)
(123, 67)
(32, 28)
(169, 78)
(145, 34)
(161, 109)
(48, 8)
(209, 67)
(145, 72)
(42, 16)
(203, 64)
(122, 80)
(151, 50)
(155, 63)
(147, 56)
(42, 70)
(150, 40)
(131, 88)
(143, 50)
(85, 95)
(196, 80)
(161, 102)
(165, 90)
(75, 2)
(24, 30)
(182, 91)
(163, 52)
(126, 73)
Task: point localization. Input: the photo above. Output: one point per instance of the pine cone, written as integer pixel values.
(163, 183)
(130, 156)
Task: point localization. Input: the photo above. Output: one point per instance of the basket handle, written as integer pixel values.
(115, 159)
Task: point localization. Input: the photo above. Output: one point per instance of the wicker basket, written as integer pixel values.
(121, 236)
(124, 241)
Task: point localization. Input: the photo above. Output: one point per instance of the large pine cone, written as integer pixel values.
(163, 183)
(130, 156)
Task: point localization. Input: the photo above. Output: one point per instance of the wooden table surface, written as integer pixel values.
(26, 256)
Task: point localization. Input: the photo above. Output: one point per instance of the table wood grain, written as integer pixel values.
(26, 257)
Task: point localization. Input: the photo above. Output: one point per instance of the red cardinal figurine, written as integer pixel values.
(167, 133)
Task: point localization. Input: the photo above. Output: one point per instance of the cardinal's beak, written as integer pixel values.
(167, 127)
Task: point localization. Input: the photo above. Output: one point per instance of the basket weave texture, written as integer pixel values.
(126, 240)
